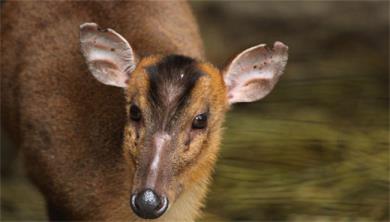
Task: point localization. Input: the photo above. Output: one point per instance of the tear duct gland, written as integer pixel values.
(171, 153)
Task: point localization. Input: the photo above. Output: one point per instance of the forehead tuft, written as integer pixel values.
(171, 80)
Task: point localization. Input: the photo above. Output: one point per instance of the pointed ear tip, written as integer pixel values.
(88, 25)
(280, 45)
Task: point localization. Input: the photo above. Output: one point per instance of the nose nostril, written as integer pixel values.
(148, 205)
(132, 202)
(162, 206)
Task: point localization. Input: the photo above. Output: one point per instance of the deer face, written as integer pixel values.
(175, 111)
(175, 108)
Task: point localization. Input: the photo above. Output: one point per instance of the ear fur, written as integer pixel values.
(109, 56)
(253, 73)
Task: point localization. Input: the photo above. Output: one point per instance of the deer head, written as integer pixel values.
(175, 107)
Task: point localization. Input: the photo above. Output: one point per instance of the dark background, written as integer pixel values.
(317, 148)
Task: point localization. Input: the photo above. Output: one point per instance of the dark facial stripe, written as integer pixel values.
(171, 82)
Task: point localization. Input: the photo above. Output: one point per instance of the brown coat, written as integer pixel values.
(68, 125)
(80, 149)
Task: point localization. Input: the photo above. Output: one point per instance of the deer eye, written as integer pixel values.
(135, 113)
(200, 121)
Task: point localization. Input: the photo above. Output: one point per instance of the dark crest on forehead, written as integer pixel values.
(171, 82)
(172, 79)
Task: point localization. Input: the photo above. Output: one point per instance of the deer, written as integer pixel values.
(121, 123)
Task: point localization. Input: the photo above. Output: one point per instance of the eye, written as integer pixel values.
(200, 121)
(135, 113)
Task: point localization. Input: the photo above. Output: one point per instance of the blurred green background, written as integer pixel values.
(317, 148)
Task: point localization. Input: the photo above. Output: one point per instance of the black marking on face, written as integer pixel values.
(171, 82)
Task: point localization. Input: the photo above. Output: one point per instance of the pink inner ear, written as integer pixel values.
(109, 56)
(254, 72)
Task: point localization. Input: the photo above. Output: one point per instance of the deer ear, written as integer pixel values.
(109, 56)
(253, 73)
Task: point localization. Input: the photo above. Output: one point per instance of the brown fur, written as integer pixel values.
(69, 126)
(186, 170)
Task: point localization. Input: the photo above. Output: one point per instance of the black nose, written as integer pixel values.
(148, 205)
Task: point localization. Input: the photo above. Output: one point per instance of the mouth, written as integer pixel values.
(147, 204)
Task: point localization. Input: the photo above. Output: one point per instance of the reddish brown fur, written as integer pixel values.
(195, 163)
(70, 126)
